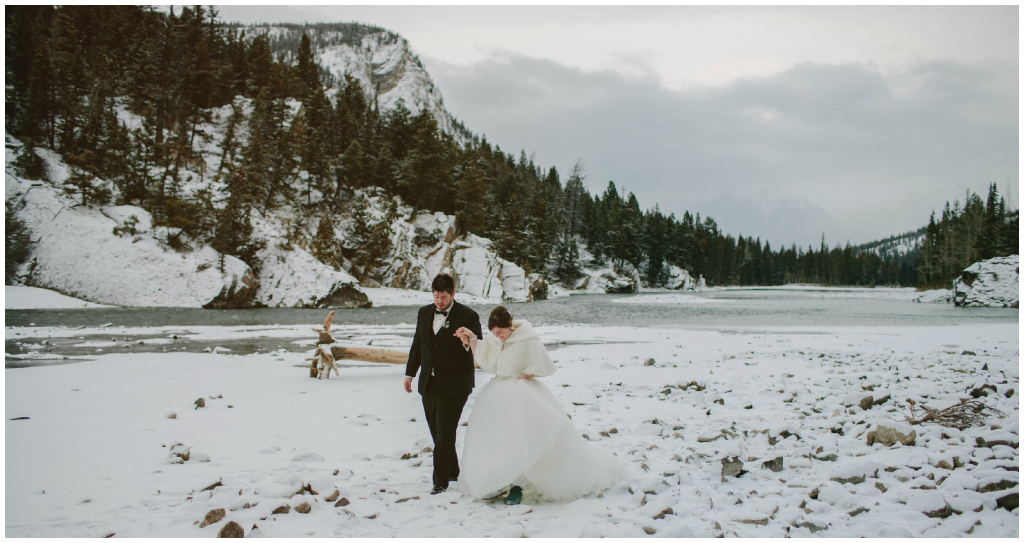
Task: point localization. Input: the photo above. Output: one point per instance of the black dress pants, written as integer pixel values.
(443, 414)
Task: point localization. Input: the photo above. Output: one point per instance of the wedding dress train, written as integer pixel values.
(519, 434)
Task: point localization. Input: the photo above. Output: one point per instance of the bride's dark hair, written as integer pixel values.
(500, 318)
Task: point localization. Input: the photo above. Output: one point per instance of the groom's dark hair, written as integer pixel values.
(443, 283)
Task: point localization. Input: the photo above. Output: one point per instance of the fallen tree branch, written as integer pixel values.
(966, 414)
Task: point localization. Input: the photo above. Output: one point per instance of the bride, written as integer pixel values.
(518, 433)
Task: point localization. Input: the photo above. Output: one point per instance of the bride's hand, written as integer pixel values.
(464, 334)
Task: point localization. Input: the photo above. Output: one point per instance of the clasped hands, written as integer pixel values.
(466, 335)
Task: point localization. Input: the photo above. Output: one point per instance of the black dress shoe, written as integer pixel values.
(453, 479)
(437, 490)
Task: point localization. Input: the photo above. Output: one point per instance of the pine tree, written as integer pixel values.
(233, 234)
(16, 243)
(325, 246)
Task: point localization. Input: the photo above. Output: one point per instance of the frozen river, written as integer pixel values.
(82, 332)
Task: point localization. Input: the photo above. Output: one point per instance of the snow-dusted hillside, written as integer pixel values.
(75, 250)
(993, 283)
(382, 61)
(895, 247)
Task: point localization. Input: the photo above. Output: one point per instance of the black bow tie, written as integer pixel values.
(439, 312)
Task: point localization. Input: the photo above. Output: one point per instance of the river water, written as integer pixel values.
(719, 309)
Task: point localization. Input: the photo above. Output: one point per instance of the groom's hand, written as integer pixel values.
(408, 384)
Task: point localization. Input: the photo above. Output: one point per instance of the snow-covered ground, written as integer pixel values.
(18, 297)
(92, 450)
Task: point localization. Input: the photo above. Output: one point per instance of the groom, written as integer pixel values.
(446, 379)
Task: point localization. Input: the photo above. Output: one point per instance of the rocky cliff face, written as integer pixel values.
(425, 245)
(992, 283)
(382, 61)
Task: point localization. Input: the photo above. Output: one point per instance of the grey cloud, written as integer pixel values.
(878, 152)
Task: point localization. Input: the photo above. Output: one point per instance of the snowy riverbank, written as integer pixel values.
(94, 452)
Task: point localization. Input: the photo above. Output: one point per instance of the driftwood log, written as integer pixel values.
(323, 340)
(382, 356)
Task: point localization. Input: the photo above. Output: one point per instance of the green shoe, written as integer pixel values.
(514, 496)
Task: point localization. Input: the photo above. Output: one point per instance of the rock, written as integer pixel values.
(231, 529)
(943, 464)
(888, 436)
(303, 508)
(661, 515)
(993, 283)
(866, 403)
(997, 486)
(732, 467)
(1009, 501)
(774, 464)
(760, 521)
(368, 282)
(1009, 393)
(858, 511)
(213, 486)
(855, 479)
(940, 513)
(342, 502)
(347, 296)
(200, 403)
(334, 496)
(213, 516)
(238, 294)
(813, 494)
(283, 510)
(649, 362)
(649, 531)
(883, 399)
(881, 487)
(812, 527)
(172, 416)
(968, 353)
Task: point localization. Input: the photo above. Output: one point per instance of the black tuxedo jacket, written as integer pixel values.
(443, 354)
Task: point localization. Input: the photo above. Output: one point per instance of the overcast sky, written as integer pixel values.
(783, 123)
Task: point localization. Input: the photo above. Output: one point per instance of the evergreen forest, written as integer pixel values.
(301, 139)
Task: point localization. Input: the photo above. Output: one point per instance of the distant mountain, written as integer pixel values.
(899, 247)
(382, 61)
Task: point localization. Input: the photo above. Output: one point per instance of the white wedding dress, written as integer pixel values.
(519, 434)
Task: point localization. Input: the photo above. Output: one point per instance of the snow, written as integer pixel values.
(294, 278)
(994, 282)
(75, 250)
(95, 454)
(19, 297)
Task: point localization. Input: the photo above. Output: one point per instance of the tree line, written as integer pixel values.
(299, 140)
(966, 233)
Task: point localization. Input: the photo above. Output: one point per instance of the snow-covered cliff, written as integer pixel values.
(383, 62)
(994, 283)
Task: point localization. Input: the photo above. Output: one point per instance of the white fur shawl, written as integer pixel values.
(521, 353)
